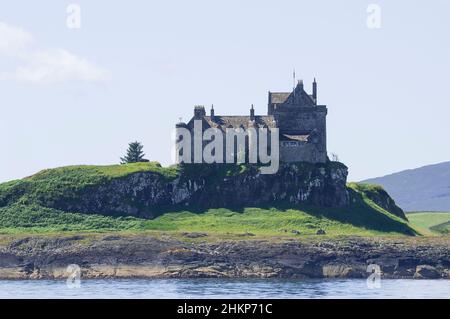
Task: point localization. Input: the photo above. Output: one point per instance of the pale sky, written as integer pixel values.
(78, 96)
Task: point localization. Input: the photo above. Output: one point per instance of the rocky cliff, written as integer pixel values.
(144, 192)
(295, 183)
(147, 190)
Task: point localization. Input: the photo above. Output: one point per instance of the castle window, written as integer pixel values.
(290, 143)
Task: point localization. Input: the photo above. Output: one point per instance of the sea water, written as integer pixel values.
(224, 288)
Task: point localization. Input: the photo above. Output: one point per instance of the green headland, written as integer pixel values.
(32, 205)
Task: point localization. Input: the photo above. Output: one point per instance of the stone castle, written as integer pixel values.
(300, 120)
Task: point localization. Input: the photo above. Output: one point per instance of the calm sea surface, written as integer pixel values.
(224, 288)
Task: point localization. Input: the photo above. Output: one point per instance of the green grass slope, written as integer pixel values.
(260, 221)
(50, 184)
(20, 212)
(434, 222)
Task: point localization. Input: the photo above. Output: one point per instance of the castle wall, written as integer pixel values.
(241, 154)
(302, 120)
(301, 152)
(297, 119)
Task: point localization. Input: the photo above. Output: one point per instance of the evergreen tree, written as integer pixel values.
(134, 154)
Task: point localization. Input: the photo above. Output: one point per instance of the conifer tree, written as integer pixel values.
(134, 154)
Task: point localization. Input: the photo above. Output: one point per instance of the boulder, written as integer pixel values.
(426, 272)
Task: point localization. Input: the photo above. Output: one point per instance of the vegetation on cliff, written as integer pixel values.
(376, 194)
(67, 183)
(31, 205)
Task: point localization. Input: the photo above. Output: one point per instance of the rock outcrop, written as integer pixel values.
(144, 194)
(166, 257)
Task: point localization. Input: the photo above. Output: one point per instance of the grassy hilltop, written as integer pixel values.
(27, 206)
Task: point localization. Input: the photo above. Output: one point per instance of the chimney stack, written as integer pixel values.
(315, 91)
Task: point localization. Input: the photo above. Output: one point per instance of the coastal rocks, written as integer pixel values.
(343, 271)
(8, 258)
(426, 272)
(151, 257)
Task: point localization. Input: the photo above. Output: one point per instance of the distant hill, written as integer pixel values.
(422, 189)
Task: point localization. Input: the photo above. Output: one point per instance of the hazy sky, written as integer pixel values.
(78, 96)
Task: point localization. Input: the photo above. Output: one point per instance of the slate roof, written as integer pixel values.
(223, 122)
(300, 98)
(278, 97)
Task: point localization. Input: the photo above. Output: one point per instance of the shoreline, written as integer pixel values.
(121, 256)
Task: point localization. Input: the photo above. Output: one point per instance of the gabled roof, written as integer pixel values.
(278, 97)
(297, 97)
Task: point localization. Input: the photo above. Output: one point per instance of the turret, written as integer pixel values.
(199, 112)
(269, 104)
(212, 111)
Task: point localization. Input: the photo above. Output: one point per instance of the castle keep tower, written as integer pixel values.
(301, 123)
